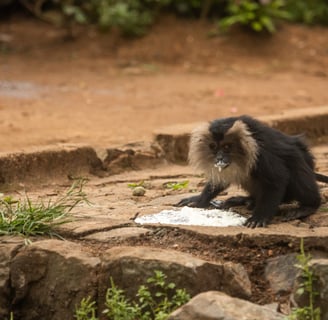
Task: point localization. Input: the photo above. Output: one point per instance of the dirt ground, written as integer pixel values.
(103, 90)
(113, 208)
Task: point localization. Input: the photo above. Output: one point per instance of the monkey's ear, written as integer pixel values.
(241, 133)
(239, 130)
(200, 152)
(201, 134)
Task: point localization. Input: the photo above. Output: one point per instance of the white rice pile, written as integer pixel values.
(193, 217)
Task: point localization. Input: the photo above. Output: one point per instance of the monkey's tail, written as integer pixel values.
(321, 177)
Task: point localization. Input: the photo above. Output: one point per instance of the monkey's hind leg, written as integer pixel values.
(298, 213)
(307, 206)
(303, 189)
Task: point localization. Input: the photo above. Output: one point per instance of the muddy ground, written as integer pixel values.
(104, 91)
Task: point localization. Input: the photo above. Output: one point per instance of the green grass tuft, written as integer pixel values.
(40, 218)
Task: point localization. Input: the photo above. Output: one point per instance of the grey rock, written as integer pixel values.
(133, 156)
(50, 278)
(139, 191)
(7, 250)
(320, 268)
(214, 305)
(281, 273)
(132, 266)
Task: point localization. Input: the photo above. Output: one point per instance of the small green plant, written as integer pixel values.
(308, 312)
(133, 185)
(176, 185)
(154, 301)
(118, 307)
(27, 218)
(74, 12)
(308, 11)
(258, 15)
(86, 310)
(131, 17)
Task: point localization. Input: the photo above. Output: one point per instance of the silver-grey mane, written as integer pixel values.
(202, 158)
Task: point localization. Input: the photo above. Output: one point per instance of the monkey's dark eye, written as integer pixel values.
(227, 147)
(212, 146)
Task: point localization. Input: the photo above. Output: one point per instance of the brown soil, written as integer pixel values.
(103, 90)
(116, 208)
(252, 257)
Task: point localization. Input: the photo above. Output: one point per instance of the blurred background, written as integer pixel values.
(111, 72)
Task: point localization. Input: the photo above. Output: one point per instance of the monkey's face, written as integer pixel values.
(224, 153)
(224, 150)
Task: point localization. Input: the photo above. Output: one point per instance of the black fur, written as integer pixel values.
(283, 172)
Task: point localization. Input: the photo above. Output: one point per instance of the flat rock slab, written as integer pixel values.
(113, 206)
(119, 233)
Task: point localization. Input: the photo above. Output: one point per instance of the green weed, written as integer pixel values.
(154, 301)
(133, 185)
(176, 185)
(257, 15)
(308, 312)
(86, 310)
(323, 209)
(131, 17)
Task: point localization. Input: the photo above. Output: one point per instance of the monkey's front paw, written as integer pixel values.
(256, 222)
(219, 204)
(183, 202)
(190, 202)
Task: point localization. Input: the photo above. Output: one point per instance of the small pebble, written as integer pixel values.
(139, 191)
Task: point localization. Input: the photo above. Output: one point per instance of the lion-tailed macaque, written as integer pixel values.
(272, 167)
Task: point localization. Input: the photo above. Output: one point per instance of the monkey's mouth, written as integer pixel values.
(221, 165)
